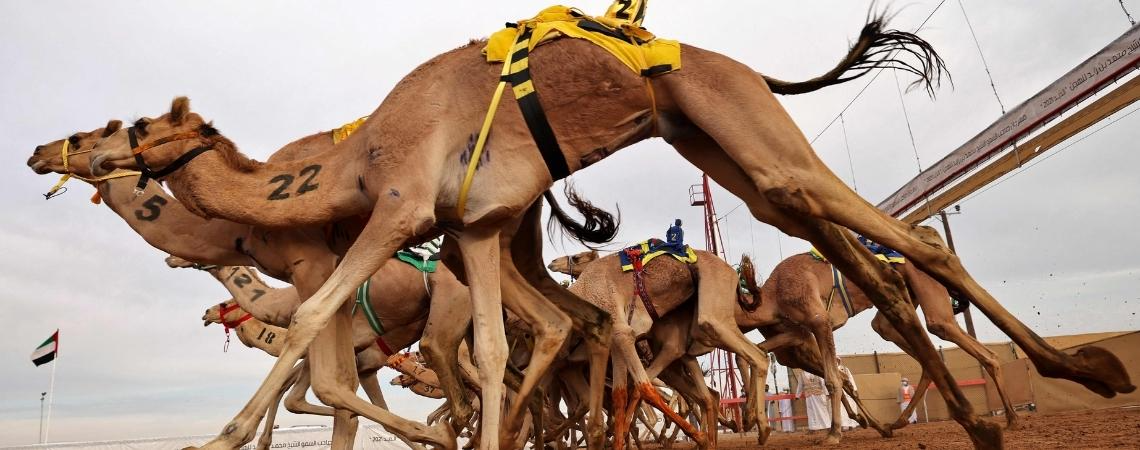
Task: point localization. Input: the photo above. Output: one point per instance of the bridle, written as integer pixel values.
(146, 173)
(222, 311)
(59, 189)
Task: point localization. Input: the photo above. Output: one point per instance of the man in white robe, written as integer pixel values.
(814, 393)
(787, 425)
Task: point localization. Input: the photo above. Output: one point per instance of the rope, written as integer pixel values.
(982, 56)
(879, 72)
(1126, 14)
(847, 145)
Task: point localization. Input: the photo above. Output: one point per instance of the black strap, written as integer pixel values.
(590, 25)
(148, 174)
(535, 116)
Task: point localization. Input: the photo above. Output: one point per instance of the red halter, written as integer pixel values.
(222, 311)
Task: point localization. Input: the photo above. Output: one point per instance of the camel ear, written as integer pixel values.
(179, 109)
(112, 127)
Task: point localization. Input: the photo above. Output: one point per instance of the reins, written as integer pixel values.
(147, 173)
(59, 188)
(222, 311)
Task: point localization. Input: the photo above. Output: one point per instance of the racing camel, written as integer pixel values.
(404, 166)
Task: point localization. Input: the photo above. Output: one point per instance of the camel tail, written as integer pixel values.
(877, 48)
(599, 226)
(748, 274)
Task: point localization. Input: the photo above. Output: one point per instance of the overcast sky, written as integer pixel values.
(1056, 244)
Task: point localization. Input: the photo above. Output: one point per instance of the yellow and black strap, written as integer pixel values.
(523, 86)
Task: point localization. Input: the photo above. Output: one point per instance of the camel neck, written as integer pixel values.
(311, 191)
(265, 303)
(165, 224)
(257, 334)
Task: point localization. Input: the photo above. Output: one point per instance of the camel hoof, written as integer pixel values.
(1105, 374)
(986, 436)
(1014, 425)
(762, 434)
(832, 439)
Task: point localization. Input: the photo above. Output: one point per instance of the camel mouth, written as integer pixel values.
(40, 167)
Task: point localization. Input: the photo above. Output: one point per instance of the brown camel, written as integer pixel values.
(673, 337)
(278, 259)
(404, 164)
(803, 291)
(668, 284)
(167, 225)
(858, 60)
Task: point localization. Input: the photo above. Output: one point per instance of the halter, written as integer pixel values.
(222, 311)
(146, 173)
(59, 189)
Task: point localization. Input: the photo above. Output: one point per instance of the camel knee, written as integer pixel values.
(941, 330)
(331, 395)
(789, 197)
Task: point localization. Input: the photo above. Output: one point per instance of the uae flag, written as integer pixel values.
(46, 352)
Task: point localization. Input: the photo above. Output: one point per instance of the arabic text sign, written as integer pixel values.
(1087, 78)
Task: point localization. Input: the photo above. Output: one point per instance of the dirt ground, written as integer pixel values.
(1106, 428)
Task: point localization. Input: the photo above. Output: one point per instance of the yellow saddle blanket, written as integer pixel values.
(892, 259)
(634, 46)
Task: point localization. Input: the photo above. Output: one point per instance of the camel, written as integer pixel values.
(856, 60)
(401, 167)
(668, 284)
(673, 334)
(280, 260)
(167, 225)
(805, 292)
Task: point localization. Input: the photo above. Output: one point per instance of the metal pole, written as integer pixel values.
(41, 435)
(950, 242)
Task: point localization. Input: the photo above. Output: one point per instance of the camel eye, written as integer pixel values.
(73, 140)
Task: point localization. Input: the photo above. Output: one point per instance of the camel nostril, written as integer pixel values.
(39, 148)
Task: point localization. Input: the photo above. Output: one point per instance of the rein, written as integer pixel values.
(147, 173)
(222, 311)
(59, 188)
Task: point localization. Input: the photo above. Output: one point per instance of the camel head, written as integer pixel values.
(50, 157)
(160, 141)
(232, 312)
(573, 264)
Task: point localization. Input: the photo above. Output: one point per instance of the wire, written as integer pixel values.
(1126, 14)
(909, 131)
(847, 145)
(984, 64)
(877, 73)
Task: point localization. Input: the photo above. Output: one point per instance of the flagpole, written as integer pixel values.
(51, 388)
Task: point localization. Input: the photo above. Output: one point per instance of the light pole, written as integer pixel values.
(950, 242)
(41, 435)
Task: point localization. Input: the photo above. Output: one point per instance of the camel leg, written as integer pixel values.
(296, 403)
(619, 400)
(266, 439)
(395, 221)
(591, 321)
(807, 358)
(625, 351)
(825, 340)
(717, 301)
(760, 132)
(480, 252)
(701, 392)
(448, 320)
(940, 322)
(550, 327)
(884, 287)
